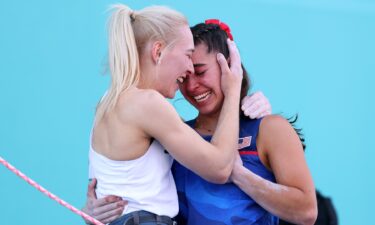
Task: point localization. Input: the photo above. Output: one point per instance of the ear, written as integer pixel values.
(157, 47)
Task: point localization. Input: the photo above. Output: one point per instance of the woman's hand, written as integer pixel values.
(231, 70)
(105, 209)
(256, 105)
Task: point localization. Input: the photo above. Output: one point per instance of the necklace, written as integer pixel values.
(199, 125)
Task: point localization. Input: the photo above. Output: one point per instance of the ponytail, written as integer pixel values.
(122, 57)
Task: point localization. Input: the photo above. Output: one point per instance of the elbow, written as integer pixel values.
(313, 216)
(221, 170)
(310, 216)
(304, 214)
(309, 211)
(221, 176)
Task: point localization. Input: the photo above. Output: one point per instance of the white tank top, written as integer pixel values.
(146, 182)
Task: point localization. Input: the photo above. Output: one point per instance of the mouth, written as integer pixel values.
(202, 97)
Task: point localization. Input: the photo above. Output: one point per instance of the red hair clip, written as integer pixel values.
(222, 26)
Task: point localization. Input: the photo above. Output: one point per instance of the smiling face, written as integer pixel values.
(175, 63)
(203, 88)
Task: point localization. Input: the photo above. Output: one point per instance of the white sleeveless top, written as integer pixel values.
(146, 182)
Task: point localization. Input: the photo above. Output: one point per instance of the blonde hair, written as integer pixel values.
(129, 32)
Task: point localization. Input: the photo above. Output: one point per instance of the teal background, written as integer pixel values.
(315, 58)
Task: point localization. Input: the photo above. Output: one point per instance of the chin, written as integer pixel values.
(170, 95)
(209, 109)
(205, 110)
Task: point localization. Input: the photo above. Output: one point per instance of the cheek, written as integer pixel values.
(169, 72)
(182, 62)
(214, 80)
(184, 93)
(182, 88)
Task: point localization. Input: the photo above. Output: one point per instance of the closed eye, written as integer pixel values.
(200, 73)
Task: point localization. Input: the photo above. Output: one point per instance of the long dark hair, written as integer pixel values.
(215, 39)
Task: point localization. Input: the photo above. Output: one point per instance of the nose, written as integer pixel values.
(190, 68)
(191, 83)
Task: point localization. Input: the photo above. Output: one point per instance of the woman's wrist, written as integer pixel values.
(238, 174)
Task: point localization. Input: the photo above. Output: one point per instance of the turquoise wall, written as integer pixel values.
(315, 58)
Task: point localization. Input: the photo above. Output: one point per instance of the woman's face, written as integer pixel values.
(175, 63)
(203, 88)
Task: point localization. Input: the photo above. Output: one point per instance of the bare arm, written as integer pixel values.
(213, 161)
(292, 198)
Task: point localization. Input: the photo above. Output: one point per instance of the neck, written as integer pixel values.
(206, 124)
(146, 80)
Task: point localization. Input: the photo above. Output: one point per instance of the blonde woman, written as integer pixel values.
(149, 53)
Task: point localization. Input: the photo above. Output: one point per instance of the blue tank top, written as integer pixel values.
(202, 202)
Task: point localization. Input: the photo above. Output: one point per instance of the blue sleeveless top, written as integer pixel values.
(202, 202)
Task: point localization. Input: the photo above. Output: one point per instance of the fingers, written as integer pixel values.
(266, 113)
(231, 77)
(257, 110)
(256, 105)
(91, 189)
(245, 102)
(85, 210)
(250, 99)
(222, 63)
(257, 113)
(109, 211)
(112, 218)
(234, 54)
(235, 59)
(106, 201)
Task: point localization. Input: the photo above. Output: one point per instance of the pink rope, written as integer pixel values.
(49, 194)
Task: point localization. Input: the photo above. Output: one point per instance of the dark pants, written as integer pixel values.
(143, 218)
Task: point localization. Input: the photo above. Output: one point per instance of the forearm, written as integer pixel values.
(226, 133)
(227, 128)
(288, 203)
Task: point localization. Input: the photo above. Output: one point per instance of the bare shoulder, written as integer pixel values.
(276, 134)
(275, 129)
(152, 101)
(143, 103)
(274, 123)
(143, 96)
